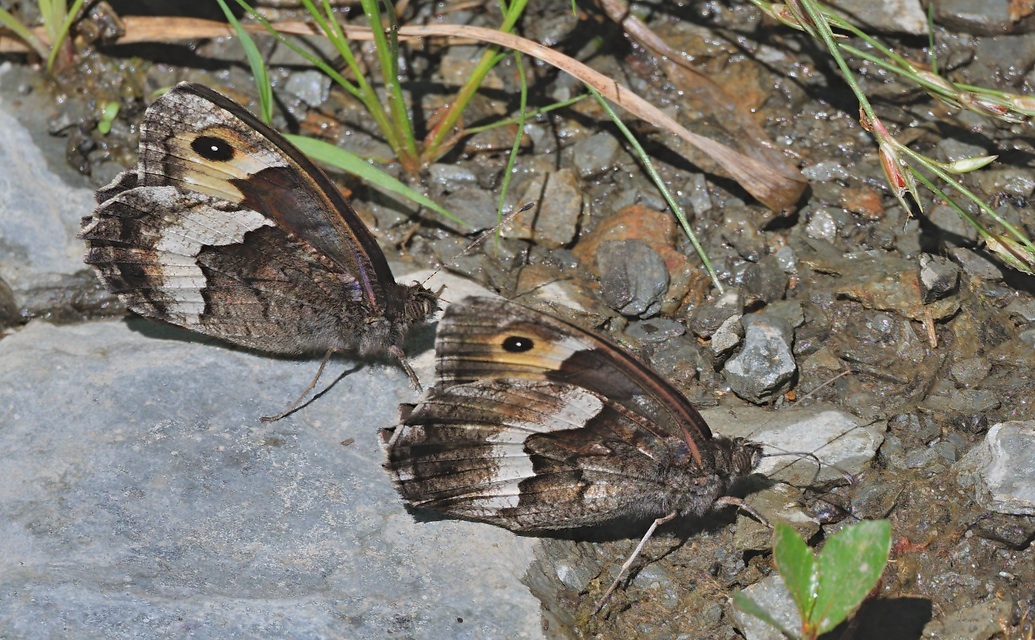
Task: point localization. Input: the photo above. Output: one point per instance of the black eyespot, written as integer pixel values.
(517, 344)
(212, 148)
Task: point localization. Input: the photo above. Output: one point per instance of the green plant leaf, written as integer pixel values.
(798, 566)
(752, 608)
(109, 111)
(351, 163)
(850, 565)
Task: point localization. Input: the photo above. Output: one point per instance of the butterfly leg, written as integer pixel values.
(298, 401)
(743, 506)
(398, 353)
(632, 558)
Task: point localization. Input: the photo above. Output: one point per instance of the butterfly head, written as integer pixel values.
(419, 303)
(735, 457)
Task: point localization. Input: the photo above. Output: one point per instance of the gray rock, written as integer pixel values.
(700, 199)
(951, 227)
(778, 503)
(1012, 531)
(633, 277)
(953, 149)
(595, 154)
(1009, 181)
(979, 265)
(789, 310)
(969, 401)
(726, 337)
(843, 443)
(938, 277)
(765, 366)
(893, 452)
(969, 372)
(472, 204)
(145, 496)
(977, 17)
(741, 229)
(310, 86)
(554, 221)
(821, 225)
(999, 469)
(826, 171)
(711, 314)
(9, 315)
(451, 176)
(772, 596)
(655, 330)
(889, 16)
(875, 500)
(947, 450)
(1023, 308)
(981, 621)
(764, 281)
(39, 220)
(788, 261)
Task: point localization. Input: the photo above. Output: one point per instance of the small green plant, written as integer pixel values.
(388, 107)
(109, 111)
(829, 587)
(57, 20)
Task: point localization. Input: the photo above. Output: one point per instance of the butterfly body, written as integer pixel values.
(227, 229)
(538, 425)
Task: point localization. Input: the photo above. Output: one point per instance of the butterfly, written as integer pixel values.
(535, 424)
(227, 229)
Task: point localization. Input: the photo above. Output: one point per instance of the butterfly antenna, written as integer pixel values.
(848, 477)
(485, 234)
(632, 558)
(298, 401)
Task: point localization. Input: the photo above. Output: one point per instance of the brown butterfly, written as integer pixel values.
(536, 425)
(227, 229)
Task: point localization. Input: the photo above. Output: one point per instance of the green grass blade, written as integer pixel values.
(255, 62)
(386, 46)
(23, 32)
(525, 115)
(850, 565)
(62, 33)
(644, 159)
(351, 163)
(798, 567)
(516, 147)
(490, 58)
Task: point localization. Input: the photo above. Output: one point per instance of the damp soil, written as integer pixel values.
(845, 260)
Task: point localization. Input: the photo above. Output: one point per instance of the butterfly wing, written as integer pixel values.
(482, 338)
(536, 424)
(227, 229)
(536, 455)
(181, 257)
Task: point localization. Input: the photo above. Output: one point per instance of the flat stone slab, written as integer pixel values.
(143, 498)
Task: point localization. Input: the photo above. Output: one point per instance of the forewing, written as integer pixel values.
(196, 139)
(482, 338)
